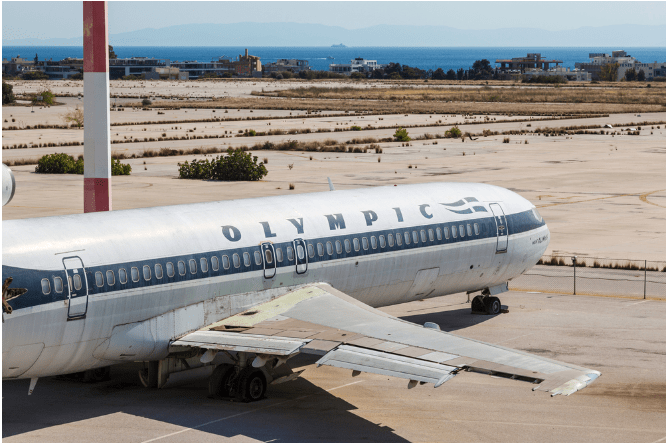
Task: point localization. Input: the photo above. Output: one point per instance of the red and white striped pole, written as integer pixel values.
(96, 130)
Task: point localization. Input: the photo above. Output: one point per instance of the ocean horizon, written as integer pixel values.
(317, 56)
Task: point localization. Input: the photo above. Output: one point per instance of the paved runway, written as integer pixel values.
(624, 339)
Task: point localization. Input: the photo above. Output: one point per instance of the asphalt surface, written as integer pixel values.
(624, 339)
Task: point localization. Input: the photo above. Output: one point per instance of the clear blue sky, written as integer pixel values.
(30, 19)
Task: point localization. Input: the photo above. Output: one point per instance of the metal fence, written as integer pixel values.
(595, 276)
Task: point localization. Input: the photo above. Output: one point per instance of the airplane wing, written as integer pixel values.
(319, 319)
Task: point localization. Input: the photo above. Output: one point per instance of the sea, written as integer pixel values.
(320, 57)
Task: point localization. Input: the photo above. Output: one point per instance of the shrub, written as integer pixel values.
(401, 135)
(48, 98)
(117, 168)
(453, 133)
(65, 164)
(251, 133)
(506, 140)
(7, 93)
(356, 128)
(235, 166)
(146, 102)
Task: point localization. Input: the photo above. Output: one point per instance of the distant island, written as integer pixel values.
(338, 46)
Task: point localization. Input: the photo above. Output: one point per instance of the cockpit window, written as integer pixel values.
(537, 215)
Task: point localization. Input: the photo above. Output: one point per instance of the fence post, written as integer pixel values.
(645, 282)
(573, 259)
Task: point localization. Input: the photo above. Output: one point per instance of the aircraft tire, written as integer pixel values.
(493, 305)
(478, 307)
(251, 385)
(148, 376)
(219, 381)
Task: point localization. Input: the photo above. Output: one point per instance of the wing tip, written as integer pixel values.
(575, 384)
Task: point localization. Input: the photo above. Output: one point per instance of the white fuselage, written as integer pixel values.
(111, 321)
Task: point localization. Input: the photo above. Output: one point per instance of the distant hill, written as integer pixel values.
(298, 34)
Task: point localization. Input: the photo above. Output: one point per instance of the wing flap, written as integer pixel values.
(233, 341)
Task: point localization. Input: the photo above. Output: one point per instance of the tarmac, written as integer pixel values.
(623, 339)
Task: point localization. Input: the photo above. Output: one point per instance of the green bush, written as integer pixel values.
(65, 164)
(251, 133)
(356, 128)
(453, 133)
(235, 166)
(34, 75)
(401, 135)
(48, 98)
(7, 93)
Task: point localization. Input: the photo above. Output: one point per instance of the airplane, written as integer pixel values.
(231, 290)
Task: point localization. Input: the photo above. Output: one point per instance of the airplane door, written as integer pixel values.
(268, 251)
(502, 228)
(301, 256)
(77, 288)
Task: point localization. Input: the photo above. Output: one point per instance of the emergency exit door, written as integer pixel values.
(502, 228)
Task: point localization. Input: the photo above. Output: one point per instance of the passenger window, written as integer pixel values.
(301, 252)
(462, 230)
(158, 271)
(170, 271)
(373, 242)
(338, 247)
(454, 231)
(278, 254)
(431, 235)
(357, 245)
(122, 276)
(257, 257)
(382, 241)
(329, 248)
(46, 286)
(181, 267)
(135, 274)
(290, 253)
(407, 238)
(57, 284)
(269, 256)
(193, 266)
(390, 240)
(99, 279)
(469, 230)
(215, 263)
(439, 233)
(311, 250)
(398, 238)
(347, 246)
(225, 262)
(320, 249)
(236, 259)
(446, 233)
(246, 259)
(423, 236)
(415, 236)
(110, 278)
(364, 241)
(146, 272)
(204, 264)
(77, 282)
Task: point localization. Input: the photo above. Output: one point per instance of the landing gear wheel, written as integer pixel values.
(218, 383)
(251, 385)
(493, 305)
(148, 375)
(96, 375)
(478, 307)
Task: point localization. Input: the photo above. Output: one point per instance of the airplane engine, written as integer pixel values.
(8, 184)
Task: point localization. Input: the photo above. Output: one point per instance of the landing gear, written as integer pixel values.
(486, 305)
(97, 375)
(246, 385)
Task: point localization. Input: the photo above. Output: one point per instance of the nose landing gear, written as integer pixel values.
(486, 305)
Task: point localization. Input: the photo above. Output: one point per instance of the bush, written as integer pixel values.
(235, 166)
(65, 164)
(401, 135)
(34, 75)
(146, 102)
(453, 133)
(48, 98)
(356, 128)
(7, 93)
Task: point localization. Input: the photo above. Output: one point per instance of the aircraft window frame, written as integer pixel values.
(268, 256)
(461, 231)
(300, 250)
(454, 231)
(171, 271)
(159, 272)
(147, 273)
(438, 231)
(431, 235)
(347, 246)
(247, 261)
(357, 244)
(134, 273)
(78, 284)
(99, 279)
(236, 259)
(320, 249)
(278, 255)
(415, 237)
(373, 242)
(182, 269)
(311, 250)
(290, 253)
(476, 229)
(46, 286)
(203, 262)
(382, 242)
(192, 265)
(257, 258)
(365, 243)
(110, 278)
(398, 238)
(469, 230)
(408, 238)
(424, 236)
(55, 285)
(446, 233)
(122, 276)
(215, 263)
(226, 264)
(338, 247)
(329, 248)
(390, 240)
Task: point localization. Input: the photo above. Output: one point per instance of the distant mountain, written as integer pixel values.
(298, 34)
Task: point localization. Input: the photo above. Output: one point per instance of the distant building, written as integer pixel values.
(121, 67)
(356, 65)
(575, 75)
(291, 65)
(167, 73)
(243, 66)
(624, 62)
(531, 61)
(16, 65)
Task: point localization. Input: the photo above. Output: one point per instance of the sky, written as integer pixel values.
(38, 19)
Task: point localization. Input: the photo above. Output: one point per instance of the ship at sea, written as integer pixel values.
(338, 46)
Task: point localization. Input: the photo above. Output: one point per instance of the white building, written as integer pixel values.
(356, 65)
(573, 75)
